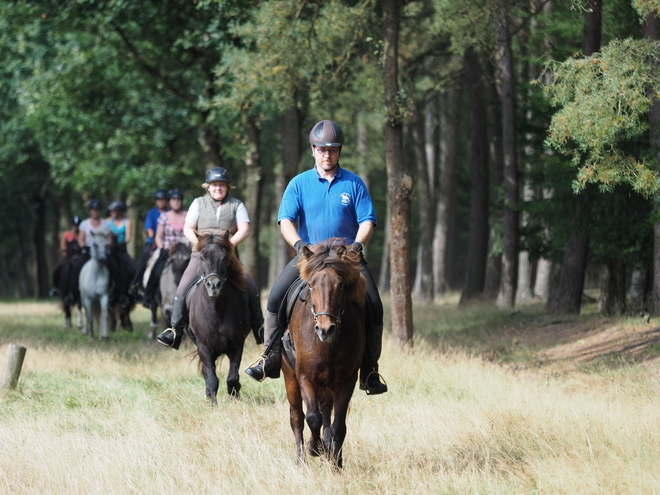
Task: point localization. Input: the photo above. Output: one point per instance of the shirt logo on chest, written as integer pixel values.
(345, 199)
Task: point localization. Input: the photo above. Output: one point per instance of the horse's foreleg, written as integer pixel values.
(103, 317)
(208, 370)
(342, 400)
(233, 377)
(326, 412)
(296, 414)
(313, 417)
(153, 324)
(88, 328)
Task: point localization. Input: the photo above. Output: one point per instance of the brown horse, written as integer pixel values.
(328, 334)
(218, 312)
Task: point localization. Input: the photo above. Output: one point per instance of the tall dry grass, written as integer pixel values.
(129, 417)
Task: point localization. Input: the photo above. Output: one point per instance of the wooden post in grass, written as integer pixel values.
(15, 356)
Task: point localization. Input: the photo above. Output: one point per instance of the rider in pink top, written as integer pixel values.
(168, 233)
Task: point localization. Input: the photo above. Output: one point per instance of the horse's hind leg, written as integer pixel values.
(67, 316)
(210, 376)
(79, 321)
(233, 377)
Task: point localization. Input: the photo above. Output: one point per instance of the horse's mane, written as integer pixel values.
(235, 269)
(179, 247)
(333, 254)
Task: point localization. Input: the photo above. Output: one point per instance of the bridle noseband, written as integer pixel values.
(203, 278)
(336, 317)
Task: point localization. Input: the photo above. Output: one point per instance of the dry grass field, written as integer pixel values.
(485, 403)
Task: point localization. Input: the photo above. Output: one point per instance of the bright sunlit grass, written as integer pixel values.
(131, 417)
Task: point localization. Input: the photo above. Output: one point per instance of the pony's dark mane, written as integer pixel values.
(179, 247)
(334, 255)
(235, 270)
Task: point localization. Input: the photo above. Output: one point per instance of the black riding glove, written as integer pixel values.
(299, 245)
(356, 246)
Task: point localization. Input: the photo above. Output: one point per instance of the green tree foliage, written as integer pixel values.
(604, 102)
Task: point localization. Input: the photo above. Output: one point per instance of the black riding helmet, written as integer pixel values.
(326, 134)
(160, 194)
(94, 204)
(218, 174)
(75, 220)
(175, 193)
(117, 206)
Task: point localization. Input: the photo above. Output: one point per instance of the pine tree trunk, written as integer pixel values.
(254, 185)
(291, 156)
(566, 294)
(399, 187)
(423, 287)
(446, 199)
(507, 294)
(478, 238)
(496, 186)
(651, 30)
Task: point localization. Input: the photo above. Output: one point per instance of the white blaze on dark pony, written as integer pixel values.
(94, 285)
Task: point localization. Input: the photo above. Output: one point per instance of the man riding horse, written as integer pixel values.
(325, 201)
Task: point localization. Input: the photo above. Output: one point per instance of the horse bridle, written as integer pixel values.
(336, 317)
(213, 274)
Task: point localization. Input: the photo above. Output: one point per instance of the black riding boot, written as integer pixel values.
(171, 337)
(256, 318)
(269, 364)
(369, 376)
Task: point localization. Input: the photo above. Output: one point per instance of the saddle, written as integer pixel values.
(298, 290)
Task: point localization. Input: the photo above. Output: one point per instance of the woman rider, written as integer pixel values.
(69, 247)
(122, 267)
(212, 213)
(94, 225)
(169, 232)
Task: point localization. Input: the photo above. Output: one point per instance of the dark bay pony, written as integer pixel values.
(66, 273)
(328, 333)
(218, 311)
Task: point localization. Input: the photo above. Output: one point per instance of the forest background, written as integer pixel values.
(511, 147)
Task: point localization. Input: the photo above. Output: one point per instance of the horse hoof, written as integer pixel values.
(66, 324)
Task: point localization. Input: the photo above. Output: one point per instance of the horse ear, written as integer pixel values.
(226, 236)
(305, 252)
(341, 252)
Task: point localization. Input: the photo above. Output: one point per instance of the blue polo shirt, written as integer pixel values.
(151, 222)
(327, 209)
